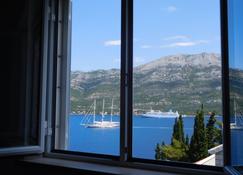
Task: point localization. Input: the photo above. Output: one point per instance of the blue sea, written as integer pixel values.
(147, 132)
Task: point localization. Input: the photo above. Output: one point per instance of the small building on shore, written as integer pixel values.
(215, 158)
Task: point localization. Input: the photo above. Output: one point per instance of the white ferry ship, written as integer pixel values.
(159, 114)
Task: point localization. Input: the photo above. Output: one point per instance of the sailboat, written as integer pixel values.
(103, 123)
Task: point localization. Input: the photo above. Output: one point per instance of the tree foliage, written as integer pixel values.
(194, 148)
(178, 131)
(213, 132)
(177, 150)
(158, 151)
(187, 141)
(198, 145)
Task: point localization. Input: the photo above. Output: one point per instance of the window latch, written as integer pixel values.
(48, 130)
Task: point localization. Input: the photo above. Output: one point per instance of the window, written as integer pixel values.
(236, 81)
(176, 71)
(95, 77)
(93, 116)
(128, 81)
(141, 98)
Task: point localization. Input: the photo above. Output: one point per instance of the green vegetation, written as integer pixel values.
(214, 134)
(168, 83)
(177, 150)
(180, 83)
(178, 132)
(199, 144)
(196, 148)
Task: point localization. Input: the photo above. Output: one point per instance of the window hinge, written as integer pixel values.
(48, 130)
(52, 17)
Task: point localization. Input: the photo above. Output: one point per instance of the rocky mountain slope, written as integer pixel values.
(178, 82)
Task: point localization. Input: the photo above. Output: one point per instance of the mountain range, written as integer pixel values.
(181, 82)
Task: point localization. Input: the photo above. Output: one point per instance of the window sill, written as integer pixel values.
(97, 168)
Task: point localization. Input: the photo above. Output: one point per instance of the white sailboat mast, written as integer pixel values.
(103, 107)
(94, 111)
(111, 109)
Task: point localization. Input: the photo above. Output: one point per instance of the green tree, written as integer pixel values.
(158, 151)
(178, 130)
(219, 138)
(211, 131)
(181, 130)
(177, 150)
(187, 140)
(174, 152)
(214, 131)
(198, 146)
(175, 133)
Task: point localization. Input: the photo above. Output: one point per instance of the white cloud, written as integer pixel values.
(112, 43)
(146, 46)
(177, 37)
(184, 44)
(171, 9)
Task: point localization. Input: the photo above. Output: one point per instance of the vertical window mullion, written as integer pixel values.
(225, 82)
(122, 86)
(126, 80)
(130, 75)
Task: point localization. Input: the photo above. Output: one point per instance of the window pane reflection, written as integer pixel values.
(236, 79)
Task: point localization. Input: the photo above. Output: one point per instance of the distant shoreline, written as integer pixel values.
(107, 115)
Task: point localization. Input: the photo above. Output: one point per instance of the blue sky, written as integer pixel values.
(161, 27)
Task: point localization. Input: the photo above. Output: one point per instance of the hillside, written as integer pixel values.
(178, 82)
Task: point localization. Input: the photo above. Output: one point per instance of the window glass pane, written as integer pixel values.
(177, 72)
(236, 79)
(20, 42)
(95, 77)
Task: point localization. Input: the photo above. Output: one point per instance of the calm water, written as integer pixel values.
(147, 132)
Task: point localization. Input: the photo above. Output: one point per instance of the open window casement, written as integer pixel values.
(25, 31)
